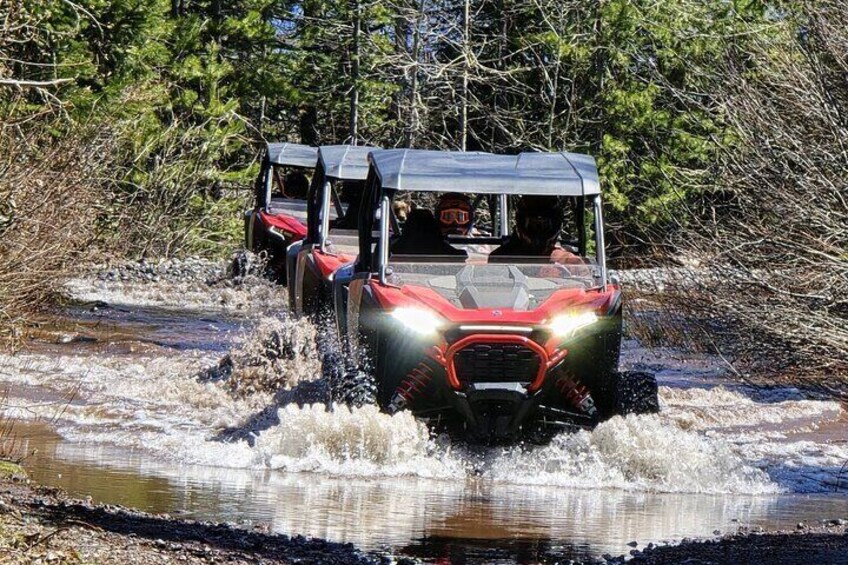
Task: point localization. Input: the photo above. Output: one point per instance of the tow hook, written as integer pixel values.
(397, 403)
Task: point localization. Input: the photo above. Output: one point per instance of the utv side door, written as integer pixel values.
(341, 292)
(350, 332)
(308, 282)
(291, 270)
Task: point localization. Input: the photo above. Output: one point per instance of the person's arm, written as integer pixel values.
(565, 257)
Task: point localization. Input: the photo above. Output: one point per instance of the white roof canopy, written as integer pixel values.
(292, 155)
(345, 162)
(551, 174)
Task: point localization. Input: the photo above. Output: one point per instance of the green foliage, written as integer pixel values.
(660, 135)
(626, 80)
(220, 227)
(9, 469)
(189, 86)
(178, 84)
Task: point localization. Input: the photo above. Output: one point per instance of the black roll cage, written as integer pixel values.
(264, 183)
(372, 257)
(314, 203)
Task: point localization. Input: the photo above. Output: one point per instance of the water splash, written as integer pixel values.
(722, 408)
(269, 413)
(253, 295)
(276, 354)
(635, 453)
(360, 442)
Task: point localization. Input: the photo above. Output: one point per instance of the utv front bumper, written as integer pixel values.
(494, 386)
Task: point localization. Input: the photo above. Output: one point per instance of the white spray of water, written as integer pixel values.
(719, 407)
(707, 440)
(638, 453)
(361, 442)
(259, 295)
(277, 354)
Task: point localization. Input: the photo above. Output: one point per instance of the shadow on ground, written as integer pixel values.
(307, 392)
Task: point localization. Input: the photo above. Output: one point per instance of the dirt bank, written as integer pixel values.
(825, 543)
(43, 525)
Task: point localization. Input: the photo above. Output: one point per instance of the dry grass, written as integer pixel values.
(771, 241)
(49, 201)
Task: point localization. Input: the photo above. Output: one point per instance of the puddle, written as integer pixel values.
(121, 416)
(418, 516)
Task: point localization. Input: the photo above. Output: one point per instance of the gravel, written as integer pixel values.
(191, 269)
(825, 543)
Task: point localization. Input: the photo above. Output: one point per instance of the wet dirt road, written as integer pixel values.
(109, 396)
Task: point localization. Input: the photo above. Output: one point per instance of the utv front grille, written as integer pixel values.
(496, 363)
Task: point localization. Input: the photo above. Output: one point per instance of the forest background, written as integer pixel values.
(130, 128)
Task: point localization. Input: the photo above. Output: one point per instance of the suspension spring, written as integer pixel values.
(577, 394)
(411, 386)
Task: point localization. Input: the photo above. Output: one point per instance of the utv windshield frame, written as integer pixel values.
(282, 155)
(335, 163)
(544, 174)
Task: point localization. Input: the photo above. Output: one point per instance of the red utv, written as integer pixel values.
(468, 334)
(332, 239)
(278, 217)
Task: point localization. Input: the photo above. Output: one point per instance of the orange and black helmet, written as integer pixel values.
(455, 214)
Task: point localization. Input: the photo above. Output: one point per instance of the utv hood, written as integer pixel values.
(481, 287)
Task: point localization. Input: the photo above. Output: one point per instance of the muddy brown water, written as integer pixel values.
(107, 405)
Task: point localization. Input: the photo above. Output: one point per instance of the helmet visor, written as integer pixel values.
(454, 216)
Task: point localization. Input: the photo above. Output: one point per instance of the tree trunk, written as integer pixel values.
(354, 60)
(600, 69)
(463, 116)
(413, 87)
(309, 126)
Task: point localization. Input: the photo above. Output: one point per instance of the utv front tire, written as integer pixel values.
(634, 392)
(332, 370)
(355, 388)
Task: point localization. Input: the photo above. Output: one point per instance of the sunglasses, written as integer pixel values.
(454, 216)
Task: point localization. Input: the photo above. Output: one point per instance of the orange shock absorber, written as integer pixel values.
(411, 386)
(577, 395)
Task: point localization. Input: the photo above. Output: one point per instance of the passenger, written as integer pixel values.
(538, 222)
(455, 214)
(296, 185)
(352, 195)
(421, 236)
(456, 217)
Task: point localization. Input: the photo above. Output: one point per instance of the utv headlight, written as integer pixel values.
(418, 320)
(565, 325)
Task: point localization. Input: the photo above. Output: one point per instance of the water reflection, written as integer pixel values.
(135, 367)
(471, 520)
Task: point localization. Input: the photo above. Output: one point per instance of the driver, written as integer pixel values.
(421, 236)
(538, 222)
(352, 194)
